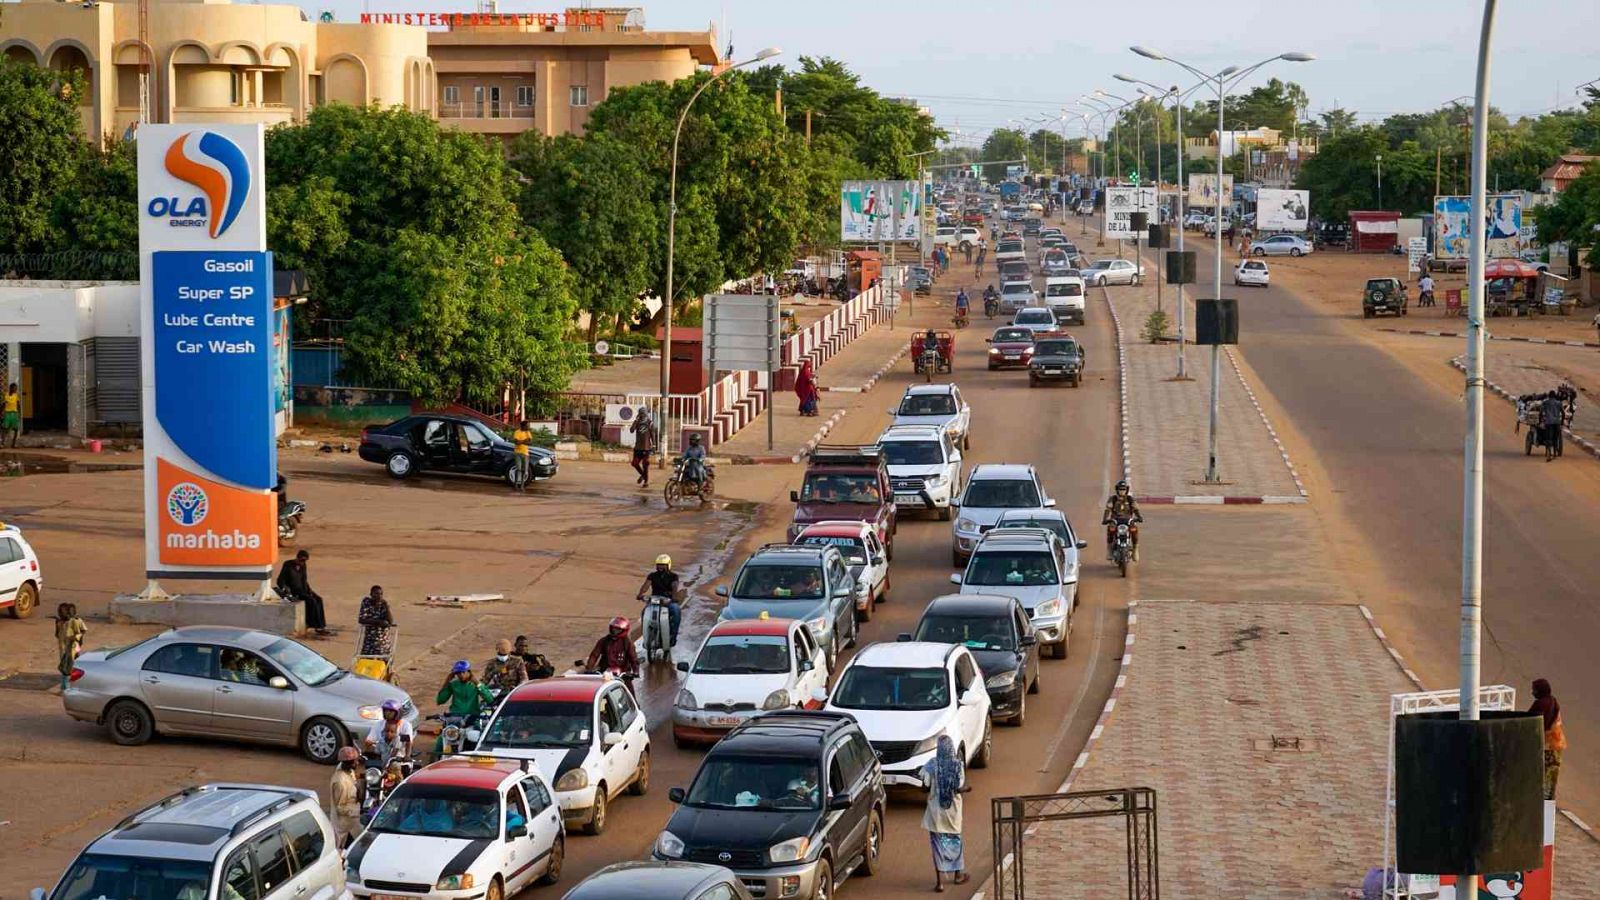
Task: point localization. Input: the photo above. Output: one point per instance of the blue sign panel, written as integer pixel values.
(214, 359)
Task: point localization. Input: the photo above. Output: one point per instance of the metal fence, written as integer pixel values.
(1013, 819)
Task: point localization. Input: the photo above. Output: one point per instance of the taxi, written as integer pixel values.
(746, 667)
(863, 555)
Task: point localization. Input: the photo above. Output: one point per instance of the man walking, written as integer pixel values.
(983, 253)
(294, 585)
(344, 799)
(644, 443)
(11, 417)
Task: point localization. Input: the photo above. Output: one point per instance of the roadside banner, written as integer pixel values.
(1452, 226)
(1279, 210)
(1203, 189)
(1121, 203)
(880, 211)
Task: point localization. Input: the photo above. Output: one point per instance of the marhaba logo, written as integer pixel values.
(187, 504)
(218, 168)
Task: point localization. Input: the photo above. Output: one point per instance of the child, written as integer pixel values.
(70, 631)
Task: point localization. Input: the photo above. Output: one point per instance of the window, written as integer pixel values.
(9, 551)
(538, 796)
(239, 874)
(306, 840)
(626, 710)
(837, 782)
(838, 577)
(272, 861)
(998, 567)
(579, 94)
(452, 95)
(242, 667)
(610, 717)
(516, 810)
(193, 660)
(436, 433)
(524, 95)
(848, 759)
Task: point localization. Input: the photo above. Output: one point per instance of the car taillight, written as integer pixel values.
(76, 674)
(363, 434)
(33, 564)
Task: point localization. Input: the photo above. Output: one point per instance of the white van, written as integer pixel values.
(1064, 296)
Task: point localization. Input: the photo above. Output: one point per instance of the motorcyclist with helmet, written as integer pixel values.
(1121, 507)
(991, 301)
(694, 459)
(392, 736)
(465, 695)
(663, 582)
(615, 652)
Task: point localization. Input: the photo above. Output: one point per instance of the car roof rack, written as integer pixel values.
(847, 454)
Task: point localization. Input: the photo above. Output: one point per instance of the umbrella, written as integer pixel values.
(1508, 268)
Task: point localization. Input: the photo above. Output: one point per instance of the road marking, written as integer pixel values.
(1083, 690)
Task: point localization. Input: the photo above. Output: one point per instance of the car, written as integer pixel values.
(445, 442)
(464, 827)
(845, 482)
(1015, 270)
(1383, 295)
(584, 733)
(1086, 207)
(1113, 271)
(924, 469)
(1031, 565)
(1054, 521)
(215, 681)
(809, 583)
(1195, 220)
(908, 694)
(1064, 296)
(1031, 224)
(1009, 248)
(992, 489)
(1010, 347)
(939, 405)
(1056, 358)
(1048, 242)
(650, 879)
(1037, 319)
(968, 236)
(1054, 261)
(1280, 245)
(862, 551)
(1051, 232)
(21, 579)
(212, 842)
(1017, 295)
(1014, 213)
(1069, 248)
(745, 667)
(793, 802)
(919, 279)
(945, 235)
(1252, 271)
(997, 631)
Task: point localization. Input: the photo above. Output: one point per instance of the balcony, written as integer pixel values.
(484, 110)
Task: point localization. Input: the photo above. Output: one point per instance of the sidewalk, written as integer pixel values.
(1539, 368)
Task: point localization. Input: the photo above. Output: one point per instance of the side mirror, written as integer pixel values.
(806, 665)
(839, 801)
(794, 496)
(676, 794)
(988, 340)
(683, 667)
(1050, 504)
(721, 590)
(878, 560)
(970, 698)
(955, 577)
(612, 739)
(1028, 641)
(1081, 544)
(279, 682)
(955, 502)
(36, 894)
(891, 410)
(902, 637)
(516, 831)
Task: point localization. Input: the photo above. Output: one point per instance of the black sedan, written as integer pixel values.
(444, 442)
(997, 631)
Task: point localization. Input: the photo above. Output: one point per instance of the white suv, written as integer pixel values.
(991, 490)
(20, 576)
(908, 694)
(1031, 565)
(938, 405)
(924, 467)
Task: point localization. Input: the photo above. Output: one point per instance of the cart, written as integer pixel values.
(939, 359)
(1529, 413)
(375, 647)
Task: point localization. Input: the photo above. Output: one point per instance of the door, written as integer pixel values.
(12, 566)
(877, 565)
(633, 726)
(807, 683)
(315, 865)
(246, 704)
(435, 443)
(179, 682)
(844, 826)
(479, 448)
(1030, 656)
(517, 858)
(841, 598)
(615, 766)
(970, 719)
(477, 101)
(494, 102)
(274, 872)
(544, 823)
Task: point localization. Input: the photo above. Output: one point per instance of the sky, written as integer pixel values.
(977, 65)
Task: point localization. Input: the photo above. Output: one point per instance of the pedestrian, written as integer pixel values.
(983, 253)
(377, 624)
(945, 777)
(1596, 328)
(522, 438)
(967, 249)
(1555, 735)
(70, 631)
(944, 259)
(644, 443)
(805, 388)
(294, 585)
(344, 798)
(11, 418)
(537, 664)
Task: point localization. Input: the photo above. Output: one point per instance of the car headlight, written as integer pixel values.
(457, 882)
(372, 713)
(669, 845)
(994, 351)
(1051, 607)
(574, 780)
(792, 850)
(819, 624)
(966, 525)
(1003, 680)
(686, 700)
(776, 700)
(933, 480)
(926, 745)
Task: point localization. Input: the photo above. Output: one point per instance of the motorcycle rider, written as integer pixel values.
(465, 695)
(390, 737)
(694, 459)
(1425, 290)
(503, 673)
(615, 650)
(991, 301)
(663, 582)
(1121, 507)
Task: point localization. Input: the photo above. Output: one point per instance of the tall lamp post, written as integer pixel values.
(1138, 128)
(1380, 180)
(672, 234)
(1112, 111)
(1222, 80)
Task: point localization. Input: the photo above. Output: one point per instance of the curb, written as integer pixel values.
(1522, 340)
(1272, 432)
(1587, 445)
(1394, 654)
(827, 426)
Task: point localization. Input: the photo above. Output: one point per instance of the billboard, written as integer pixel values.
(1452, 226)
(880, 211)
(1282, 210)
(1203, 190)
(1121, 203)
(208, 353)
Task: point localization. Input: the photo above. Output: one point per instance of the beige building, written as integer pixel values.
(215, 61)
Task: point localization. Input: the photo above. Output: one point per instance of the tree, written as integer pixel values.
(93, 222)
(882, 135)
(40, 151)
(1002, 144)
(1575, 215)
(1337, 120)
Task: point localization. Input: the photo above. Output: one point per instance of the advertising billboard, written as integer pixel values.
(1121, 203)
(1282, 210)
(1452, 221)
(208, 353)
(1203, 190)
(880, 211)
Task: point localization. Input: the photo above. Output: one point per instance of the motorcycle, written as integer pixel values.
(991, 305)
(289, 514)
(656, 623)
(379, 781)
(680, 488)
(458, 734)
(1122, 546)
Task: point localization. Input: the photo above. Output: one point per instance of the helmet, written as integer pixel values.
(1122, 487)
(349, 754)
(460, 666)
(694, 437)
(391, 706)
(664, 560)
(619, 625)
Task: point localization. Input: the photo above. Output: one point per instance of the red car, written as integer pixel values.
(1010, 348)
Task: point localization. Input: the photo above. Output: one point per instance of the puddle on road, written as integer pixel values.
(16, 465)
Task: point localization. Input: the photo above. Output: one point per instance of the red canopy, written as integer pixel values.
(1509, 268)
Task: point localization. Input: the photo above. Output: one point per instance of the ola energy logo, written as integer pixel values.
(187, 504)
(218, 168)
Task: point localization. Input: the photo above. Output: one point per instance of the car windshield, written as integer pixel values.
(1069, 273)
(1012, 335)
(1012, 568)
(1001, 493)
(302, 662)
(1009, 247)
(1016, 287)
(98, 876)
(756, 782)
(1379, 284)
(878, 687)
(913, 453)
(440, 810)
(839, 488)
(1055, 348)
(779, 583)
(1069, 289)
(928, 405)
(743, 654)
(539, 723)
(973, 632)
(1035, 317)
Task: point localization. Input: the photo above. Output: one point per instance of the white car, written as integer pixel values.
(746, 667)
(861, 550)
(1252, 271)
(21, 579)
(585, 733)
(1064, 296)
(945, 236)
(1009, 249)
(1015, 295)
(992, 489)
(1280, 245)
(1037, 319)
(967, 237)
(924, 467)
(1113, 271)
(456, 827)
(1031, 565)
(905, 695)
(940, 405)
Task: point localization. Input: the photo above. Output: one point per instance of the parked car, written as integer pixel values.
(745, 667)
(997, 631)
(1017, 295)
(810, 584)
(1029, 564)
(1056, 358)
(793, 802)
(214, 681)
(992, 489)
(908, 694)
(584, 733)
(212, 842)
(649, 879)
(1280, 245)
(444, 442)
(1064, 296)
(939, 405)
(1195, 221)
(1252, 271)
(1383, 295)
(845, 482)
(1086, 207)
(1113, 271)
(1038, 319)
(858, 543)
(968, 237)
(499, 832)
(1010, 347)
(21, 579)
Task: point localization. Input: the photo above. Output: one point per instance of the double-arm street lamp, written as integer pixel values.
(1178, 105)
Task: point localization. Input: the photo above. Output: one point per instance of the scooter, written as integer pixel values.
(991, 305)
(656, 627)
(1122, 547)
(289, 520)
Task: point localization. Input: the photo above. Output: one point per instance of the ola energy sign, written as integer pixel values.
(206, 312)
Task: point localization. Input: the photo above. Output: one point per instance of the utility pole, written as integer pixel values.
(808, 128)
(1438, 159)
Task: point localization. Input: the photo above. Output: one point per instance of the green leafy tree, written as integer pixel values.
(40, 145)
(94, 217)
(1002, 144)
(881, 134)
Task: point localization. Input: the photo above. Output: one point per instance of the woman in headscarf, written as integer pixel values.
(945, 776)
(1555, 736)
(805, 388)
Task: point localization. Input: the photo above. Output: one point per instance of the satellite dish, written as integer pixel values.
(602, 347)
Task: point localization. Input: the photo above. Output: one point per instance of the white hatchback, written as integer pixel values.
(1252, 271)
(21, 579)
(744, 668)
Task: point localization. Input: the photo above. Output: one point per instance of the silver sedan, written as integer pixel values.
(1280, 245)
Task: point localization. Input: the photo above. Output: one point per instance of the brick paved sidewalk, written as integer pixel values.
(1533, 369)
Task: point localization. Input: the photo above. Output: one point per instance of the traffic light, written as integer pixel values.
(1133, 178)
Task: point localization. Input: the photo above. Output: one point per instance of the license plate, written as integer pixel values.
(908, 499)
(1013, 355)
(388, 897)
(1052, 371)
(728, 721)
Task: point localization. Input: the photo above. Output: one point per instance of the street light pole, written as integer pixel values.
(1380, 181)
(672, 234)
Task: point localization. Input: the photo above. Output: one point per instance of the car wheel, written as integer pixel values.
(496, 892)
(130, 723)
(321, 739)
(985, 749)
(823, 890)
(597, 816)
(869, 854)
(1017, 720)
(1294, 251)
(641, 777)
(558, 855)
(26, 602)
(400, 464)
